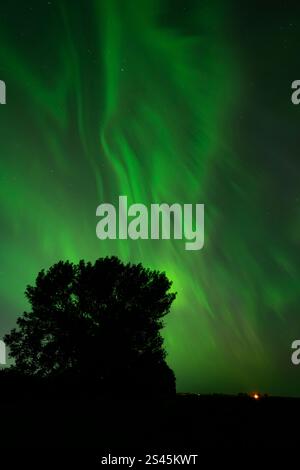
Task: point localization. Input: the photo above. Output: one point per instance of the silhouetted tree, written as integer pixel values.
(97, 324)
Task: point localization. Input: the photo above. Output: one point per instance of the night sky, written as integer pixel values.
(162, 101)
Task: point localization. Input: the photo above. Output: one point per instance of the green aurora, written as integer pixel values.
(162, 101)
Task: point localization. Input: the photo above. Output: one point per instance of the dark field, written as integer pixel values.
(185, 424)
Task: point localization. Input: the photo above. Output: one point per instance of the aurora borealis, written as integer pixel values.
(162, 101)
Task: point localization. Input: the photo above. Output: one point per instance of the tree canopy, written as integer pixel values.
(100, 322)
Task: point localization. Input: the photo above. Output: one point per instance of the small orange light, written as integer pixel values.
(256, 396)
